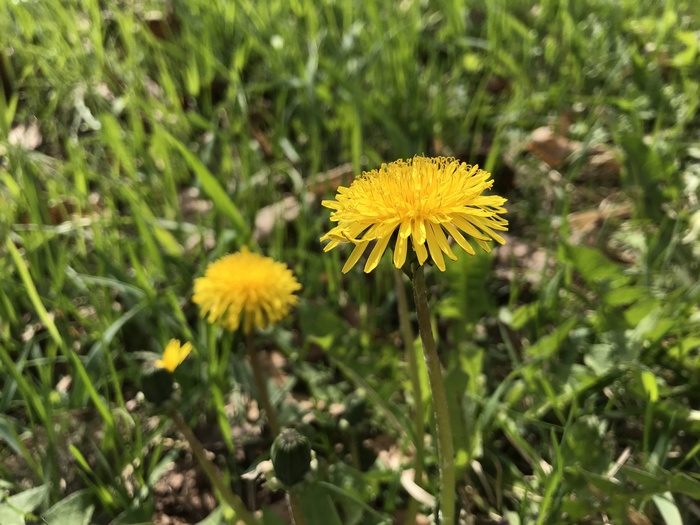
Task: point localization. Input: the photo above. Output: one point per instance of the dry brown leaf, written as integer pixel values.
(192, 205)
(329, 181)
(263, 141)
(64, 384)
(554, 149)
(585, 223)
(551, 148)
(287, 209)
(637, 518)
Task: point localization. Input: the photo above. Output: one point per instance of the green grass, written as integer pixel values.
(555, 373)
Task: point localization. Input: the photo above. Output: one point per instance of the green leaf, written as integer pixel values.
(371, 516)
(10, 516)
(9, 436)
(30, 499)
(601, 357)
(75, 509)
(456, 384)
(317, 506)
(270, 517)
(215, 518)
(319, 320)
(524, 315)
(685, 484)
(549, 344)
(652, 482)
(626, 295)
(468, 279)
(668, 509)
(211, 186)
(689, 55)
(593, 266)
(650, 386)
(13, 511)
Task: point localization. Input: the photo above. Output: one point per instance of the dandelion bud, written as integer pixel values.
(291, 457)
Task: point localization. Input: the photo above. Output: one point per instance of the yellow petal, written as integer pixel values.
(459, 238)
(355, 256)
(377, 253)
(173, 355)
(442, 241)
(418, 231)
(420, 250)
(468, 228)
(401, 248)
(435, 251)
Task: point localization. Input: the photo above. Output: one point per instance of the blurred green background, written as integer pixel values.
(141, 140)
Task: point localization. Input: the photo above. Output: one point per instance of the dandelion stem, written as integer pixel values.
(233, 501)
(295, 508)
(407, 335)
(437, 387)
(261, 385)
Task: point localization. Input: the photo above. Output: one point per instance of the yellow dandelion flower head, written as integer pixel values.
(173, 355)
(246, 288)
(421, 198)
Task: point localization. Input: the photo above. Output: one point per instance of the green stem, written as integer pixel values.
(261, 386)
(295, 508)
(233, 501)
(437, 388)
(407, 335)
(354, 449)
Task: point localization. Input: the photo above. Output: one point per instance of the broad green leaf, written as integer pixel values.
(689, 55)
(549, 344)
(30, 499)
(682, 483)
(318, 506)
(10, 516)
(593, 266)
(626, 295)
(601, 357)
(75, 509)
(523, 315)
(668, 509)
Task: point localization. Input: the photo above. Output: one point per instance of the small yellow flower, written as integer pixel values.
(246, 288)
(421, 198)
(173, 355)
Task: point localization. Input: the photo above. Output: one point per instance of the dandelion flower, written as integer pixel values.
(246, 288)
(421, 198)
(173, 355)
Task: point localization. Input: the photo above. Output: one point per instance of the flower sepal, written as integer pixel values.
(157, 385)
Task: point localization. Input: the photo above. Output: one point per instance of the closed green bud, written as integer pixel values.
(157, 385)
(291, 457)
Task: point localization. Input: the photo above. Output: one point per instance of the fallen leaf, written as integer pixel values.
(554, 149)
(584, 224)
(551, 148)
